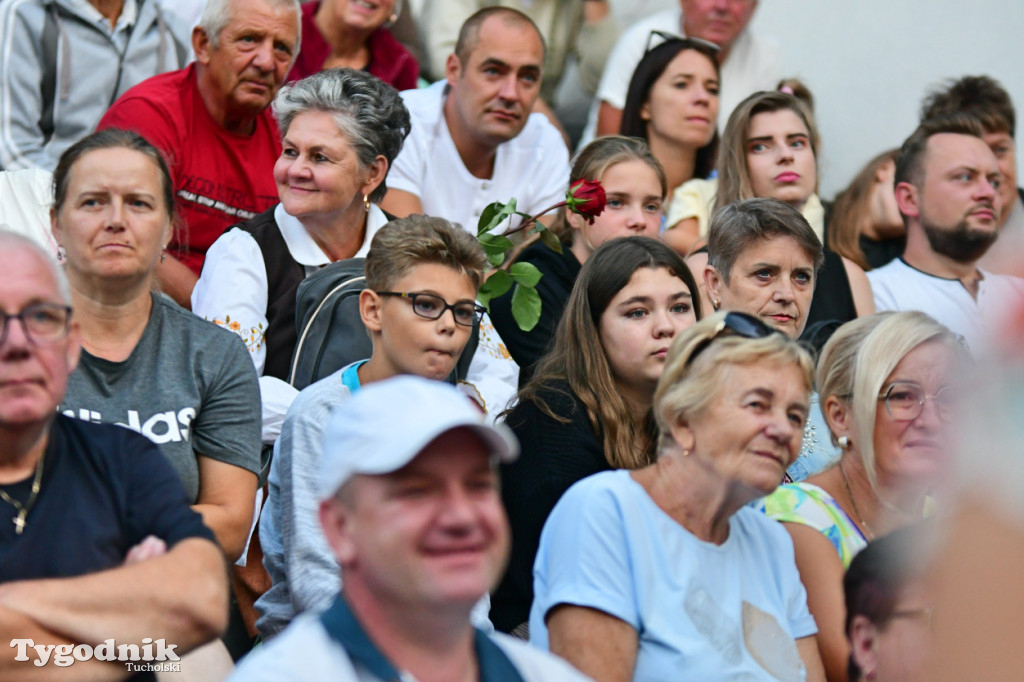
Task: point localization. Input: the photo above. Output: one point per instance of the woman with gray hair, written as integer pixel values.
(666, 572)
(340, 129)
(888, 392)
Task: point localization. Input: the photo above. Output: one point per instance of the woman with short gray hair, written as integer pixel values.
(340, 131)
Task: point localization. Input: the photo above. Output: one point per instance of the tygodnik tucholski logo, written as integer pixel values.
(136, 658)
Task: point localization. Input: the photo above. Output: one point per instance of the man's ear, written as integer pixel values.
(336, 522)
(908, 199)
(370, 304)
(714, 282)
(201, 45)
(453, 69)
(864, 644)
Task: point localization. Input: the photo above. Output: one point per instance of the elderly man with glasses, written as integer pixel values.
(97, 541)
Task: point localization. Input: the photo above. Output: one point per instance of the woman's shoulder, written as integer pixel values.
(692, 199)
(604, 491)
(177, 324)
(556, 433)
(546, 258)
(810, 505)
(756, 523)
(553, 400)
(797, 502)
(238, 244)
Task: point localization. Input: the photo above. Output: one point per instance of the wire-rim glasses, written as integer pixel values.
(904, 401)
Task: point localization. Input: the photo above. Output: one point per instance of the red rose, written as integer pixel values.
(586, 198)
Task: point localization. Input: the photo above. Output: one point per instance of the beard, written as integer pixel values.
(962, 243)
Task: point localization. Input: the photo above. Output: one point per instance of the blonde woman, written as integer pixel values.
(888, 394)
(666, 572)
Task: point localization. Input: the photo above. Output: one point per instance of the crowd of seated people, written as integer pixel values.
(737, 392)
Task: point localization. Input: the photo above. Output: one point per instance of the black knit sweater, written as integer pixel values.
(554, 456)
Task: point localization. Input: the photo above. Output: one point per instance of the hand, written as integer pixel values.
(149, 548)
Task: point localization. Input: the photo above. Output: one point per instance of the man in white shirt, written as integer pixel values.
(947, 188)
(748, 64)
(474, 140)
(411, 510)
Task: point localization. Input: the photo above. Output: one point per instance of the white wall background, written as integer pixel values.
(869, 63)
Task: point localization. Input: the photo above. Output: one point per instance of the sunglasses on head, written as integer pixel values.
(735, 324)
(687, 43)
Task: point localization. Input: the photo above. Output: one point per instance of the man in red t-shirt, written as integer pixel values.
(212, 121)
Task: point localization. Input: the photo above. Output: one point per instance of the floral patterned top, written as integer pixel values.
(810, 505)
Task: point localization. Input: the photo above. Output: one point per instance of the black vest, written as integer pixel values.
(283, 278)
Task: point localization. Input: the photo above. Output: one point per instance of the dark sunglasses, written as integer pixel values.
(735, 324)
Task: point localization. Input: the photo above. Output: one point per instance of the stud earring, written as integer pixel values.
(715, 303)
(844, 442)
(62, 255)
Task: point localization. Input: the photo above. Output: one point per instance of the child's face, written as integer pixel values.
(411, 344)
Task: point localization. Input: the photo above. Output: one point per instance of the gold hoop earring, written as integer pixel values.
(366, 203)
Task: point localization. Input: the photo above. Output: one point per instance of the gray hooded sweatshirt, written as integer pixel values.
(61, 67)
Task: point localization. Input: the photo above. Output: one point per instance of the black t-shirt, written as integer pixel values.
(104, 489)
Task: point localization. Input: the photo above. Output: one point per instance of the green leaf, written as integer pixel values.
(495, 246)
(493, 214)
(525, 307)
(495, 241)
(525, 274)
(496, 285)
(551, 240)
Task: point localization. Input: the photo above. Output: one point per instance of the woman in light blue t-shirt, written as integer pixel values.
(666, 572)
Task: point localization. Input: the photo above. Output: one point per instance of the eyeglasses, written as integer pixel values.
(686, 43)
(735, 324)
(905, 401)
(432, 307)
(44, 323)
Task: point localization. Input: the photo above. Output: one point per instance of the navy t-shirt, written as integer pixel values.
(104, 489)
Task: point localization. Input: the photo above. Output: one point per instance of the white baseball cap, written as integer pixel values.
(385, 425)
